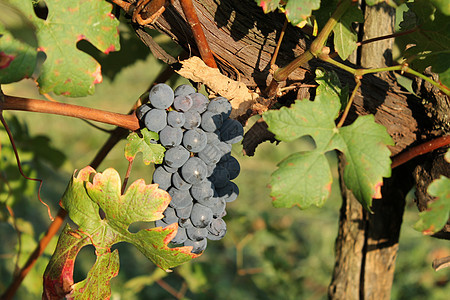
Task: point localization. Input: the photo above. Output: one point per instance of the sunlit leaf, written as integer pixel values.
(151, 151)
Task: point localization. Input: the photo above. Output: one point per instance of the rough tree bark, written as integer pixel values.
(243, 39)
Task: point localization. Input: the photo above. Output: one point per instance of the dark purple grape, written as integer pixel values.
(201, 215)
(202, 191)
(194, 140)
(211, 121)
(183, 103)
(200, 102)
(220, 105)
(197, 246)
(155, 119)
(175, 119)
(180, 199)
(184, 89)
(181, 236)
(192, 119)
(161, 96)
(196, 234)
(162, 178)
(231, 131)
(170, 136)
(142, 110)
(176, 157)
(217, 229)
(194, 170)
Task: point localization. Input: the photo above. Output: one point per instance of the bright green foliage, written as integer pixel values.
(151, 152)
(431, 38)
(304, 178)
(442, 5)
(436, 216)
(67, 70)
(345, 37)
(87, 194)
(17, 59)
(297, 11)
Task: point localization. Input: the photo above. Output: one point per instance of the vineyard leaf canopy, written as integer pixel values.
(297, 11)
(90, 192)
(146, 143)
(345, 37)
(304, 178)
(67, 70)
(430, 39)
(436, 216)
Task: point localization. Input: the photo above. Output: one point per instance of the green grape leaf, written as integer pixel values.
(289, 189)
(438, 212)
(67, 70)
(430, 39)
(297, 11)
(304, 178)
(151, 152)
(95, 204)
(345, 37)
(17, 59)
(97, 284)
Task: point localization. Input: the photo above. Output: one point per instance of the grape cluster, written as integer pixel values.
(198, 166)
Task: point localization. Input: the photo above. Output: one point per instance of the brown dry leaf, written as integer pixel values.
(240, 97)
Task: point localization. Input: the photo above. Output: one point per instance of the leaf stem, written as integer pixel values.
(25, 104)
(421, 149)
(199, 35)
(127, 176)
(280, 39)
(349, 103)
(389, 36)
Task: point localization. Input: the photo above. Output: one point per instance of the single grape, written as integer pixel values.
(179, 183)
(220, 177)
(217, 229)
(183, 103)
(233, 167)
(185, 212)
(142, 110)
(210, 169)
(210, 202)
(184, 89)
(202, 191)
(201, 215)
(161, 96)
(170, 136)
(185, 223)
(231, 131)
(196, 234)
(169, 169)
(194, 140)
(162, 178)
(200, 102)
(170, 216)
(229, 192)
(211, 121)
(220, 105)
(175, 119)
(197, 246)
(210, 154)
(181, 236)
(176, 157)
(155, 119)
(194, 170)
(180, 199)
(217, 210)
(192, 119)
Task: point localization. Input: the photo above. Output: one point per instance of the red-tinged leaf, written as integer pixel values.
(67, 70)
(97, 285)
(436, 216)
(151, 152)
(58, 276)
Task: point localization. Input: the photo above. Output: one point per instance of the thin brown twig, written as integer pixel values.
(280, 39)
(25, 104)
(199, 35)
(349, 103)
(389, 36)
(421, 149)
(127, 176)
(168, 288)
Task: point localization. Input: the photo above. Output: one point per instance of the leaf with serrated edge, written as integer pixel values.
(97, 283)
(268, 5)
(297, 11)
(345, 37)
(289, 189)
(67, 70)
(364, 144)
(151, 152)
(436, 216)
(58, 276)
(367, 157)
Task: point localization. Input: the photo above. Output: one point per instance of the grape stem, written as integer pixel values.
(25, 104)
